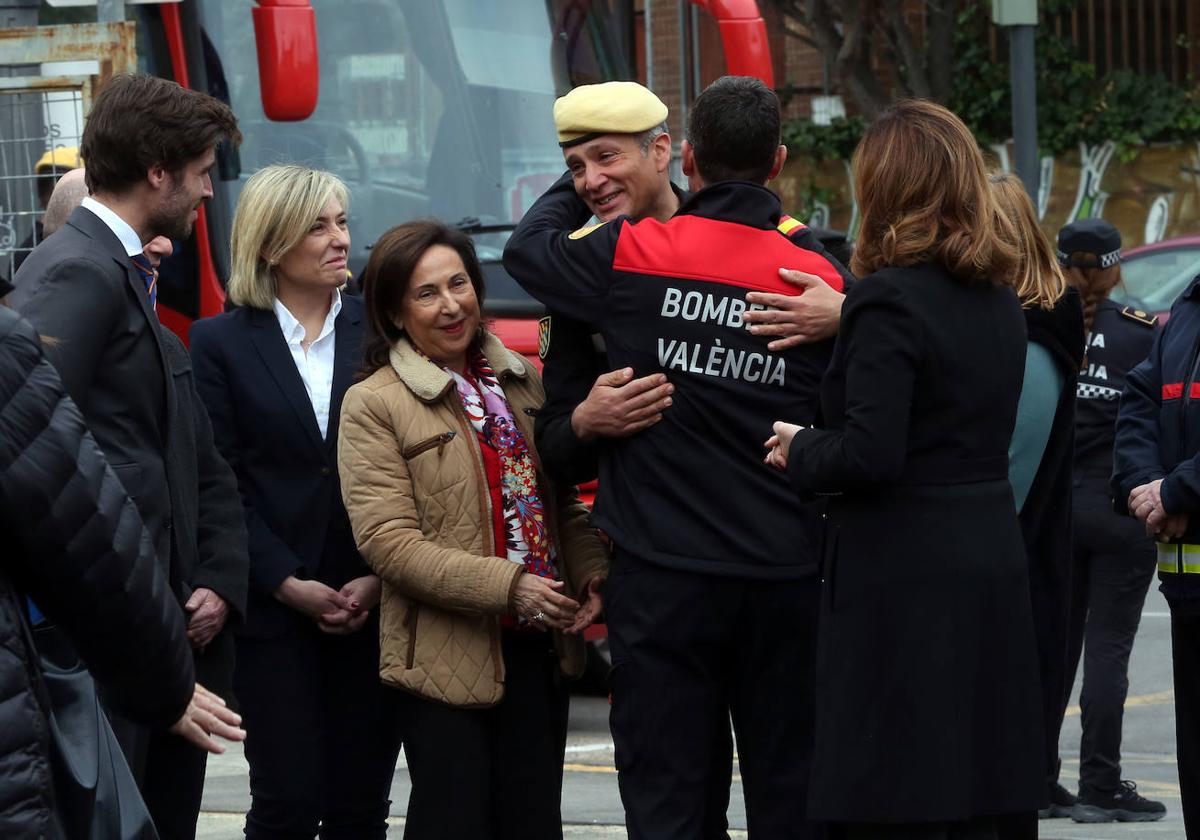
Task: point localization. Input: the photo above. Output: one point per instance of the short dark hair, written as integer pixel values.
(733, 129)
(139, 122)
(389, 270)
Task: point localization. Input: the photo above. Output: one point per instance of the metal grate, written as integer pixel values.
(32, 123)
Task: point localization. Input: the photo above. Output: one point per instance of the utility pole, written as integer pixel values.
(1020, 16)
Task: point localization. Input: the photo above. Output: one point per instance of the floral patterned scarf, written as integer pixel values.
(526, 539)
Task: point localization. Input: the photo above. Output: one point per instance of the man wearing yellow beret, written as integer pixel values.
(712, 598)
(614, 138)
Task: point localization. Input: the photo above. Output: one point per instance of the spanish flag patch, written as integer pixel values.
(543, 337)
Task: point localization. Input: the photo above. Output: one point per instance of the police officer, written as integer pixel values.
(1113, 558)
(1155, 478)
(711, 602)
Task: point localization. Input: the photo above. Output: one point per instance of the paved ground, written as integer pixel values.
(592, 807)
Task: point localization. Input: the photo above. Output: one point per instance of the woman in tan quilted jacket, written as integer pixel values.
(490, 572)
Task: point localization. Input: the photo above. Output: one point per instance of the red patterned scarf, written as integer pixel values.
(526, 539)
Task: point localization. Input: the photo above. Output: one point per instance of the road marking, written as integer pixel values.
(1158, 698)
(587, 748)
(609, 769)
(1156, 615)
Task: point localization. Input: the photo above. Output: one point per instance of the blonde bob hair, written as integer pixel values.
(923, 196)
(276, 209)
(1039, 280)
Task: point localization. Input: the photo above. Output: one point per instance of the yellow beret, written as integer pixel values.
(589, 111)
(62, 158)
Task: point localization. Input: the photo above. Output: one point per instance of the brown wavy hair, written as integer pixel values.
(923, 196)
(1093, 282)
(389, 270)
(1038, 278)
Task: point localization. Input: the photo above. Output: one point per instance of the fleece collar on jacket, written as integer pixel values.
(429, 382)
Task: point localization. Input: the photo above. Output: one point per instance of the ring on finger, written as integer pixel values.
(540, 616)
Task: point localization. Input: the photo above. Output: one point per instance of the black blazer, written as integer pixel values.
(265, 427)
(208, 529)
(80, 290)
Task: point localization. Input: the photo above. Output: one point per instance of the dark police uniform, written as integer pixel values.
(1113, 558)
(711, 602)
(1158, 437)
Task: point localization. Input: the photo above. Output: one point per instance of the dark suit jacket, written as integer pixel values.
(209, 531)
(265, 427)
(80, 290)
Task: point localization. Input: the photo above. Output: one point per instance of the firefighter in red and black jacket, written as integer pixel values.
(1156, 477)
(712, 599)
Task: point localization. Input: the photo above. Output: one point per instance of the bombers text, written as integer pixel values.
(715, 359)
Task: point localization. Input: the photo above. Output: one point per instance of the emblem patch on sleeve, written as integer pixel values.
(543, 337)
(584, 231)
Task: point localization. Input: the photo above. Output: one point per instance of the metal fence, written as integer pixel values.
(33, 125)
(1148, 36)
(44, 95)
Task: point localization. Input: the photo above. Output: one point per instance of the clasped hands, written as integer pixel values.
(540, 601)
(1145, 502)
(337, 612)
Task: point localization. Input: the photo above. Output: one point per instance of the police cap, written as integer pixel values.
(589, 111)
(1094, 237)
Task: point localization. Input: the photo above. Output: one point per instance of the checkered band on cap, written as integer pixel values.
(1106, 260)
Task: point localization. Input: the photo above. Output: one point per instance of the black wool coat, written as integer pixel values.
(927, 680)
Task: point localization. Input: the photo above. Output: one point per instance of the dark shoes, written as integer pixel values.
(1061, 803)
(1124, 804)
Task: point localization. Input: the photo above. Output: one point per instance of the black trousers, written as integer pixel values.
(169, 770)
(1185, 657)
(1114, 562)
(496, 773)
(170, 774)
(689, 652)
(321, 734)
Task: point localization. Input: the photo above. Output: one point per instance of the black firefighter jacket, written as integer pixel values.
(1158, 437)
(691, 492)
(75, 544)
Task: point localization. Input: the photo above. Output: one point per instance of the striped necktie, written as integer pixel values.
(142, 264)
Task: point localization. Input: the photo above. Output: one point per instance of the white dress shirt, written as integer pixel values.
(129, 238)
(315, 366)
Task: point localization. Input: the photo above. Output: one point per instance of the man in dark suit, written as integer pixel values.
(90, 291)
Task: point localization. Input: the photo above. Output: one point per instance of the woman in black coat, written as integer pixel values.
(928, 713)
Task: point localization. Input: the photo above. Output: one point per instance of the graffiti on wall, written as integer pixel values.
(1151, 195)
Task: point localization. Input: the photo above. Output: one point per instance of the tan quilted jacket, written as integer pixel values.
(413, 481)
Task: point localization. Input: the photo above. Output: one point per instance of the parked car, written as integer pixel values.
(1154, 275)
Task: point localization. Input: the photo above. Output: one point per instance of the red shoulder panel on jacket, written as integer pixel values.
(696, 248)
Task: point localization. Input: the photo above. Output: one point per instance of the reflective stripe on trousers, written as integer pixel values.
(1179, 558)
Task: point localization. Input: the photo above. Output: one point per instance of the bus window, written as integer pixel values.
(428, 107)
